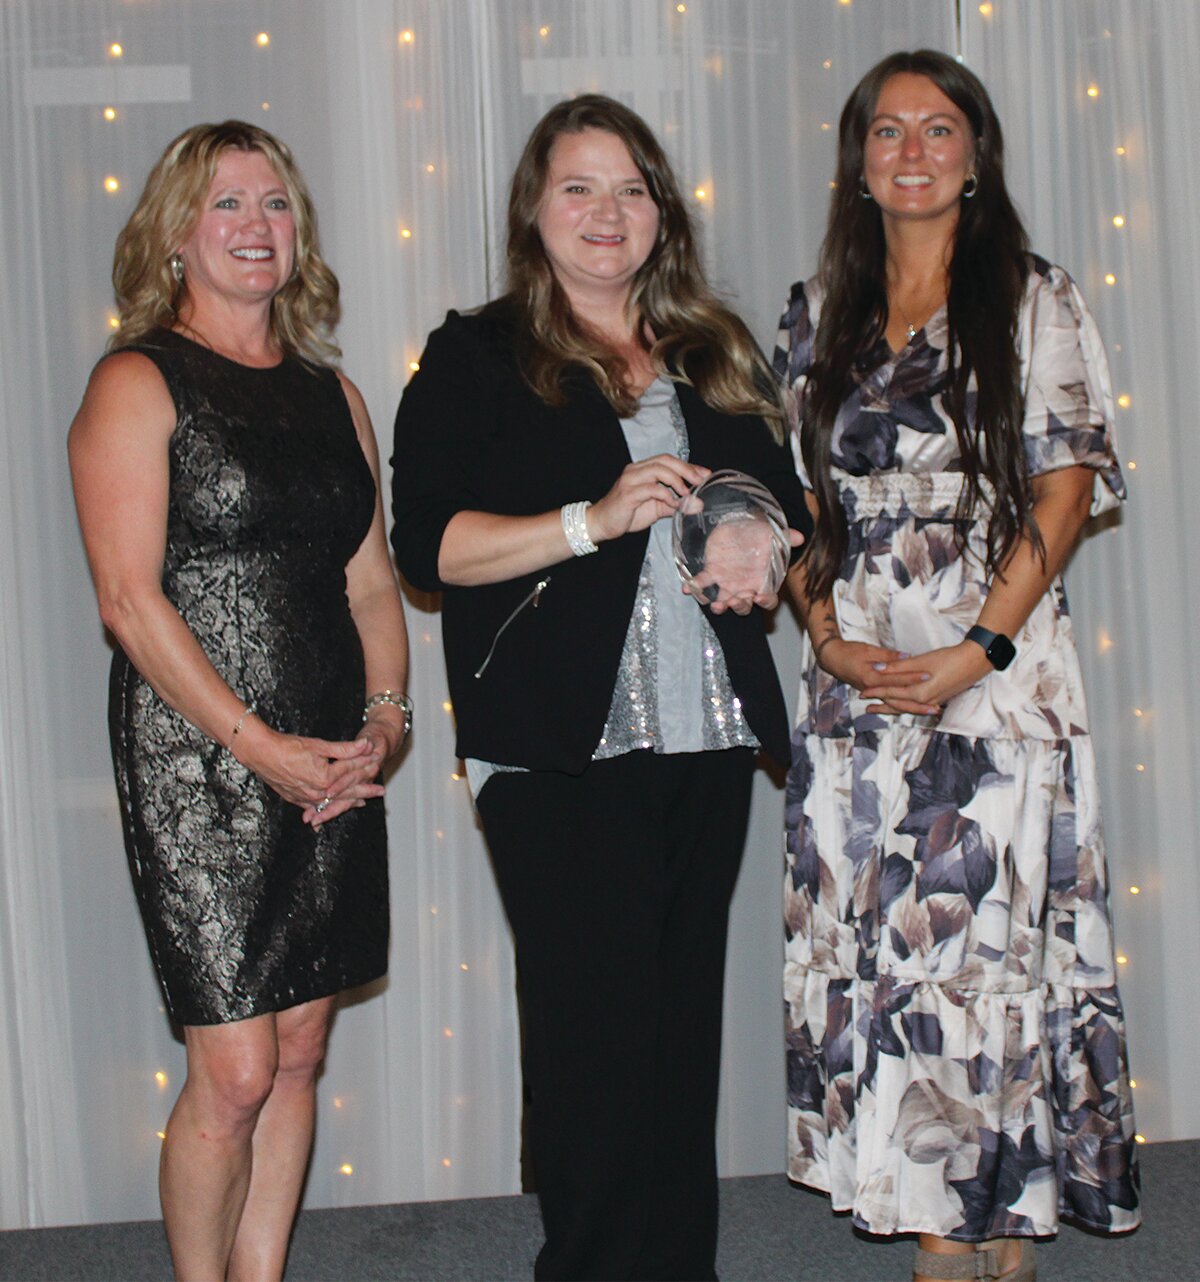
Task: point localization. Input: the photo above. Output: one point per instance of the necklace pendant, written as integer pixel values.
(912, 332)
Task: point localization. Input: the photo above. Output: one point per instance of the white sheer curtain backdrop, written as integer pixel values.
(407, 116)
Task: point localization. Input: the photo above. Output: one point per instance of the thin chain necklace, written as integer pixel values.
(212, 347)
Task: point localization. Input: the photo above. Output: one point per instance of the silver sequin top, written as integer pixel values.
(673, 692)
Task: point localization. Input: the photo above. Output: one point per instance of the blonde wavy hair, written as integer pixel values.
(698, 340)
(305, 311)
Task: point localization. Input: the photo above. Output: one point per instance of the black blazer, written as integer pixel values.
(472, 435)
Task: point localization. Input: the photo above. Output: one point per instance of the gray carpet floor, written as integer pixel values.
(770, 1232)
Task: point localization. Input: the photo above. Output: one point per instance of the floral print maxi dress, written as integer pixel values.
(956, 1045)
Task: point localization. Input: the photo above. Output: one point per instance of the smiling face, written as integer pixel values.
(243, 244)
(918, 151)
(597, 220)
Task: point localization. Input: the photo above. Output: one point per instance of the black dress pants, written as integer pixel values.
(617, 885)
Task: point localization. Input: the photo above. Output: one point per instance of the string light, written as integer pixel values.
(1124, 400)
(1137, 712)
(985, 9)
(112, 184)
(406, 37)
(161, 1078)
(427, 637)
(429, 169)
(844, 3)
(433, 909)
(1122, 959)
(1133, 1083)
(447, 1032)
(1135, 890)
(1139, 1139)
(1109, 278)
(110, 113)
(337, 1101)
(463, 966)
(827, 63)
(446, 1162)
(1104, 642)
(406, 233)
(414, 366)
(1132, 465)
(345, 1169)
(266, 106)
(114, 321)
(263, 39)
(447, 706)
(162, 1135)
(1118, 220)
(544, 32)
(1140, 767)
(440, 834)
(115, 50)
(1120, 151)
(1093, 91)
(701, 194)
(825, 126)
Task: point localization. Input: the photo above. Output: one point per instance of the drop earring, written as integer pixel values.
(175, 263)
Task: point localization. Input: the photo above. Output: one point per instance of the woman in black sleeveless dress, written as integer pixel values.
(227, 484)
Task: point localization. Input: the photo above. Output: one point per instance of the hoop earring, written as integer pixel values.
(175, 263)
(973, 181)
(863, 190)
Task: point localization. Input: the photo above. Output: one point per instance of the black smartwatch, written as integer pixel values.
(998, 648)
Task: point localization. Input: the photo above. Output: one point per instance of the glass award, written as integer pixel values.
(730, 537)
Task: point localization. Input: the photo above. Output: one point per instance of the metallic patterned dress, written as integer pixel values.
(247, 909)
(956, 1044)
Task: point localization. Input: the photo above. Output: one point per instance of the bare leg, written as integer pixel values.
(206, 1157)
(1009, 1249)
(281, 1145)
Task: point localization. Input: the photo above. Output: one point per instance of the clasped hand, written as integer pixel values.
(307, 771)
(896, 682)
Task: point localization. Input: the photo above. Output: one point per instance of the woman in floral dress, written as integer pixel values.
(956, 1056)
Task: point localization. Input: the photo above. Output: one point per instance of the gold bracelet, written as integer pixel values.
(247, 711)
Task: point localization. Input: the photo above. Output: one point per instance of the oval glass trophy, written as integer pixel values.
(730, 537)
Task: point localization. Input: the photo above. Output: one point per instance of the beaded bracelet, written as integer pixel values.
(396, 700)
(574, 523)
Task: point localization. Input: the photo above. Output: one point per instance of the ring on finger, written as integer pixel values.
(321, 805)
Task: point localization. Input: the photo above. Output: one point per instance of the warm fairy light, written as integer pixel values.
(463, 966)
(447, 706)
(445, 1161)
(414, 366)
(832, 185)
(337, 1101)
(844, 3)
(1109, 278)
(110, 113)
(1139, 1139)
(1132, 465)
(544, 32)
(114, 321)
(429, 169)
(406, 37)
(1093, 91)
(433, 909)
(701, 193)
(681, 8)
(827, 63)
(345, 1169)
(985, 9)
(1120, 151)
(1140, 767)
(1137, 712)
(1124, 400)
(112, 184)
(262, 39)
(427, 637)
(162, 1135)
(406, 233)
(115, 50)
(1118, 220)
(825, 125)
(1135, 890)
(455, 776)
(1122, 959)
(447, 1032)
(161, 1078)
(1133, 1083)
(440, 834)
(1104, 642)
(266, 106)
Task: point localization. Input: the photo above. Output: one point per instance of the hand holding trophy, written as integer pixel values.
(731, 543)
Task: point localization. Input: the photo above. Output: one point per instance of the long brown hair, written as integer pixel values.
(303, 313)
(987, 275)
(698, 340)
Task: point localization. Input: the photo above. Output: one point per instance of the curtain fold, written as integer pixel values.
(407, 117)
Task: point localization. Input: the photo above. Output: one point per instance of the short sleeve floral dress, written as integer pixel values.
(956, 1044)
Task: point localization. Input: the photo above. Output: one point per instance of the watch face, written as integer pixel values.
(1001, 652)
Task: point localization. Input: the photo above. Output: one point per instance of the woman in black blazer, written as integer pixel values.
(608, 721)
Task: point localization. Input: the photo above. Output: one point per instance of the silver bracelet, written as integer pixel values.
(396, 700)
(247, 711)
(574, 523)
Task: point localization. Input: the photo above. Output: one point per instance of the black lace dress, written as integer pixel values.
(247, 909)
